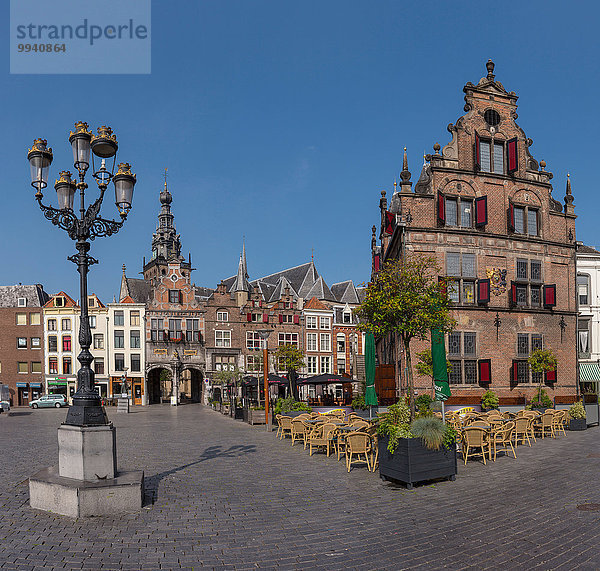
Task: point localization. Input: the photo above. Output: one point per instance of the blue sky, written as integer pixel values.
(282, 121)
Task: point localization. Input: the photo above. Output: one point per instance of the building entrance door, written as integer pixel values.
(23, 396)
(137, 393)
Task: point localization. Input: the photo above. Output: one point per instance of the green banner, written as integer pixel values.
(439, 365)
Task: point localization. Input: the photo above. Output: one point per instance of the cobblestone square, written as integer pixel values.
(223, 494)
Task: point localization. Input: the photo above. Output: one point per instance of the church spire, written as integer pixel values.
(241, 282)
(405, 185)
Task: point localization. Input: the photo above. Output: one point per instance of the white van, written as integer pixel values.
(4, 398)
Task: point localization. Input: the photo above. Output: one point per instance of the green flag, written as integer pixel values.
(370, 394)
(438, 361)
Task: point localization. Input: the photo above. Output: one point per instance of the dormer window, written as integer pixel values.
(491, 156)
(59, 302)
(91, 302)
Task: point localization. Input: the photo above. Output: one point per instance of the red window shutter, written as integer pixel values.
(550, 377)
(248, 317)
(511, 217)
(513, 293)
(376, 262)
(513, 157)
(180, 297)
(441, 208)
(483, 292)
(443, 285)
(485, 370)
(280, 318)
(481, 215)
(265, 318)
(296, 319)
(515, 372)
(549, 296)
(389, 222)
(477, 152)
(260, 303)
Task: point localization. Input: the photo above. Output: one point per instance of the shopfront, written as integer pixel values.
(35, 390)
(137, 385)
(58, 386)
(23, 394)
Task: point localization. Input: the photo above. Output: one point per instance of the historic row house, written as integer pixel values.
(483, 208)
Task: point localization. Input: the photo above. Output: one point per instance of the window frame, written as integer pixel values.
(491, 144)
(460, 202)
(223, 338)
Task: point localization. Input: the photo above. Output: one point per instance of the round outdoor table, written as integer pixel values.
(349, 428)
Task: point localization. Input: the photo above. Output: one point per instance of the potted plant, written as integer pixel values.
(540, 402)
(541, 361)
(256, 415)
(577, 414)
(489, 400)
(409, 453)
(405, 300)
(290, 407)
(424, 403)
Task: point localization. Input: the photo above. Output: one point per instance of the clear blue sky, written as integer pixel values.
(282, 121)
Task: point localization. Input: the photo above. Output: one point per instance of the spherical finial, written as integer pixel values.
(490, 68)
(383, 193)
(404, 149)
(436, 148)
(542, 164)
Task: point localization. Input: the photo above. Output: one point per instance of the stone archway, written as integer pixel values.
(159, 388)
(190, 384)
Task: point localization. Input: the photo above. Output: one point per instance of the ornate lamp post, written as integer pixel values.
(83, 227)
(264, 335)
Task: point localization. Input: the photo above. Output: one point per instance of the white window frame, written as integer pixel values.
(222, 338)
(311, 322)
(324, 322)
(21, 302)
(311, 365)
(325, 341)
(325, 364)
(311, 342)
(222, 315)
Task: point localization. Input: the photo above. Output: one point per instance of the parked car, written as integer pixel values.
(49, 400)
(4, 398)
(4, 406)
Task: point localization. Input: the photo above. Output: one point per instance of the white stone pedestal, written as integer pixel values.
(87, 452)
(86, 482)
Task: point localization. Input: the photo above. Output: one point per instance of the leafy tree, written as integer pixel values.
(424, 365)
(229, 380)
(541, 361)
(406, 298)
(292, 359)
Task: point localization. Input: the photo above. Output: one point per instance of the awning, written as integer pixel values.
(22, 385)
(589, 372)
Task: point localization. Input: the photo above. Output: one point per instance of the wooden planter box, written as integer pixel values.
(578, 424)
(256, 416)
(239, 413)
(413, 462)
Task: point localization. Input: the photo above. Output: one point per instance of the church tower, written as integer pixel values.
(166, 243)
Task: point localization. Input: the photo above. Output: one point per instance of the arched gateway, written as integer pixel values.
(167, 384)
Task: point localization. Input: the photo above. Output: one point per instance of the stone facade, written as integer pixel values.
(483, 208)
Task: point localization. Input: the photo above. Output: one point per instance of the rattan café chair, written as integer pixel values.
(285, 426)
(300, 431)
(359, 444)
(502, 439)
(475, 437)
(322, 436)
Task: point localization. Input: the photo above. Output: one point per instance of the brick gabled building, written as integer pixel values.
(22, 347)
(483, 208)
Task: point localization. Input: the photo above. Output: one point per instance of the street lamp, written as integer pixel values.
(264, 335)
(87, 225)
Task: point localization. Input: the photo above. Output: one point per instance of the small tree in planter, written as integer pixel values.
(489, 400)
(292, 359)
(423, 450)
(541, 361)
(406, 299)
(577, 414)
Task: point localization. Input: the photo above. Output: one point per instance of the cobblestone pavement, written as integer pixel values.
(223, 494)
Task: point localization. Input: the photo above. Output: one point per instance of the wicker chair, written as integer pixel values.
(475, 437)
(358, 443)
(501, 439)
(545, 424)
(563, 420)
(360, 424)
(285, 426)
(322, 435)
(372, 432)
(522, 430)
(480, 424)
(300, 431)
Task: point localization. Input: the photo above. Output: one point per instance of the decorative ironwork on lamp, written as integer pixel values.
(84, 227)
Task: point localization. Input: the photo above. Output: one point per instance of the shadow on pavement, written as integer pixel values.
(23, 413)
(151, 483)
